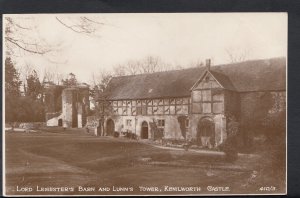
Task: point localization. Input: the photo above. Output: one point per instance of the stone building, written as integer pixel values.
(204, 98)
(67, 106)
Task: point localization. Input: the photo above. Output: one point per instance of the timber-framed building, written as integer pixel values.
(205, 97)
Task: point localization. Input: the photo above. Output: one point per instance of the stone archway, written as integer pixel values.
(145, 130)
(110, 127)
(206, 132)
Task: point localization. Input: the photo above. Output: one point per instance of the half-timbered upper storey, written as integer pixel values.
(202, 90)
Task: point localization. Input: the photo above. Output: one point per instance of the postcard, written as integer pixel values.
(149, 104)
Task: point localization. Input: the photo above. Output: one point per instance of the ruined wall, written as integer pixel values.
(69, 109)
(83, 106)
(53, 118)
(75, 107)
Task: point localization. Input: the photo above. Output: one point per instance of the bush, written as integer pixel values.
(131, 135)
(116, 134)
(230, 149)
(230, 146)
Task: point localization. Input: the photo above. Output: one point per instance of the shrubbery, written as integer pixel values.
(116, 134)
(229, 147)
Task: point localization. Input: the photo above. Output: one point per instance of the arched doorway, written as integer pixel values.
(144, 133)
(206, 132)
(60, 122)
(110, 127)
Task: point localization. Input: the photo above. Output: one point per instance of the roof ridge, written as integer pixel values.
(203, 67)
(152, 73)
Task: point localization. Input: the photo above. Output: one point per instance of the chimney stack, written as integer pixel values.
(208, 62)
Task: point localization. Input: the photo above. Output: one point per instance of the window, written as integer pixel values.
(128, 123)
(161, 123)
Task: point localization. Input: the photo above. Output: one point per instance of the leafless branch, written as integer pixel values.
(24, 47)
(88, 19)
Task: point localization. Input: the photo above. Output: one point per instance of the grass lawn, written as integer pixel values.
(72, 158)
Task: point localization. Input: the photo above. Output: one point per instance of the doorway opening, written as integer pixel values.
(110, 127)
(144, 133)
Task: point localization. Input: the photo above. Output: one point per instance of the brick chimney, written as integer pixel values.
(208, 62)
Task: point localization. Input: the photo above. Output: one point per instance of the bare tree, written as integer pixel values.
(197, 63)
(81, 24)
(119, 70)
(53, 75)
(236, 54)
(151, 64)
(21, 35)
(133, 67)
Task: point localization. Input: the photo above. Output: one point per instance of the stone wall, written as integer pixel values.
(220, 126)
(69, 110)
(54, 119)
(172, 127)
(31, 125)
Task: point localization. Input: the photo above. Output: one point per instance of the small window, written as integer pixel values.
(128, 123)
(161, 123)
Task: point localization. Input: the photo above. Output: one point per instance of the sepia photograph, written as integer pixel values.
(134, 104)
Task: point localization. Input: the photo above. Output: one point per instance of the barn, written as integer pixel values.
(195, 103)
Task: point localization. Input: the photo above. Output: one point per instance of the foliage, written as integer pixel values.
(22, 108)
(131, 135)
(12, 82)
(12, 92)
(70, 81)
(230, 145)
(34, 86)
(116, 134)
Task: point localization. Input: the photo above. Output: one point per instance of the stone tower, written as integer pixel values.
(75, 106)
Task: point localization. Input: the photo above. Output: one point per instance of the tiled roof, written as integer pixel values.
(255, 75)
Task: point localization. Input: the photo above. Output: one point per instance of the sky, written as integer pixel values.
(177, 38)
